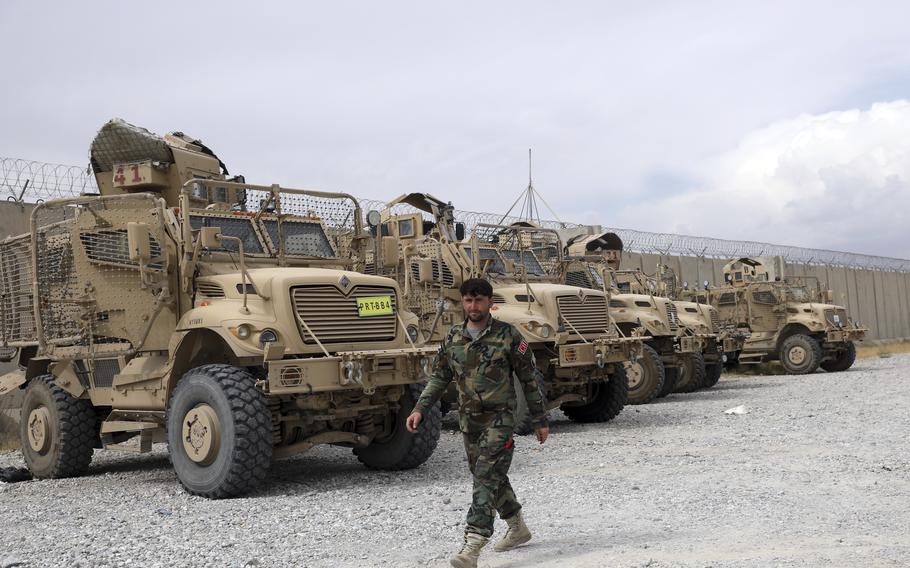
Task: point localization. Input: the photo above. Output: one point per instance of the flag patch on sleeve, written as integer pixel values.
(523, 347)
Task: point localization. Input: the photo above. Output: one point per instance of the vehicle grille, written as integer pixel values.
(841, 314)
(587, 317)
(333, 317)
(209, 290)
(672, 316)
(497, 299)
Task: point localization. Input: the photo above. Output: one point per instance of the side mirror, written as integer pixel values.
(509, 265)
(389, 252)
(210, 237)
(459, 231)
(829, 296)
(137, 237)
(685, 284)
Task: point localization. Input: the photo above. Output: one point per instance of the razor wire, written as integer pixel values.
(27, 181)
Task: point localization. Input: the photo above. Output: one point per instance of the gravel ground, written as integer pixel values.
(815, 474)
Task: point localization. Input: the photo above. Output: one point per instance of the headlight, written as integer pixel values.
(412, 332)
(243, 331)
(267, 336)
(539, 329)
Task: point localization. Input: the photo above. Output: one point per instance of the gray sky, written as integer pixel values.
(778, 121)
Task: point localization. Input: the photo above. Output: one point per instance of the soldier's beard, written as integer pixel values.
(477, 317)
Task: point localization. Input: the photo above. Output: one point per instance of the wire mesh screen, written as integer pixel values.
(91, 295)
(336, 216)
(119, 142)
(17, 318)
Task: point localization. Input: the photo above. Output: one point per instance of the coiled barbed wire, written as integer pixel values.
(29, 181)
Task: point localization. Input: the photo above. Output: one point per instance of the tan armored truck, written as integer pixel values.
(578, 351)
(717, 342)
(670, 358)
(231, 320)
(792, 320)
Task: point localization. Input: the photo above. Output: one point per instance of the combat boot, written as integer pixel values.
(517, 534)
(470, 551)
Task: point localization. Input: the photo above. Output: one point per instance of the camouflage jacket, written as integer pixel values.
(482, 369)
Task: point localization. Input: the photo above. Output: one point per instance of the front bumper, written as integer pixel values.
(366, 370)
(845, 334)
(599, 352)
(687, 344)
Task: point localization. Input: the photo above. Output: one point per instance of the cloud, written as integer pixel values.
(839, 180)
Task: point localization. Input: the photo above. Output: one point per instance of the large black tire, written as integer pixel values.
(401, 449)
(712, 374)
(56, 431)
(691, 374)
(607, 399)
(646, 377)
(522, 417)
(671, 376)
(800, 354)
(732, 361)
(843, 361)
(239, 426)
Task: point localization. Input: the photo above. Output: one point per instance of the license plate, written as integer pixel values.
(374, 306)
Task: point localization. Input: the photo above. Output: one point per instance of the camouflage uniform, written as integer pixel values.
(482, 369)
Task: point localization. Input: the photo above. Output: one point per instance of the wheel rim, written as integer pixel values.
(635, 374)
(797, 355)
(39, 429)
(202, 434)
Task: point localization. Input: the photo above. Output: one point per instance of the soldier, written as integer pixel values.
(480, 355)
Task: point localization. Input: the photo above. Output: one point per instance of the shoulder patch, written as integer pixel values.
(523, 347)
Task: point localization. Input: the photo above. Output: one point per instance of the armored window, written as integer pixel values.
(406, 228)
(527, 259)
(764, 297)
(727, 299)
(111, 247)
(578, 278)
(496, 265)
(301, 238)
(240, 227)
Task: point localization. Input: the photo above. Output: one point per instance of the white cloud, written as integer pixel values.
(839, 180)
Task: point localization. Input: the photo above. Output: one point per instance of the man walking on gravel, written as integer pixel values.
(481, 355)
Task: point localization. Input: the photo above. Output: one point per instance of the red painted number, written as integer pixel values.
(135, 168)
(119, 178)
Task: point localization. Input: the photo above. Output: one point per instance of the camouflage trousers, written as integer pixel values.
(489, 448)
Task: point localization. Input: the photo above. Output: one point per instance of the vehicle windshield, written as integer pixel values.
(301, 238)
(496, 266)
(240, 227)
(798, 294)
(527, 258)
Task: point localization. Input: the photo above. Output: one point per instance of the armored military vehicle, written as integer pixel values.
(578, 350)
(231, 320)
(717, 342)
(791, 320)
(670, 354)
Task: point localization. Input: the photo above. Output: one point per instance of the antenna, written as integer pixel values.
(529, 210)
